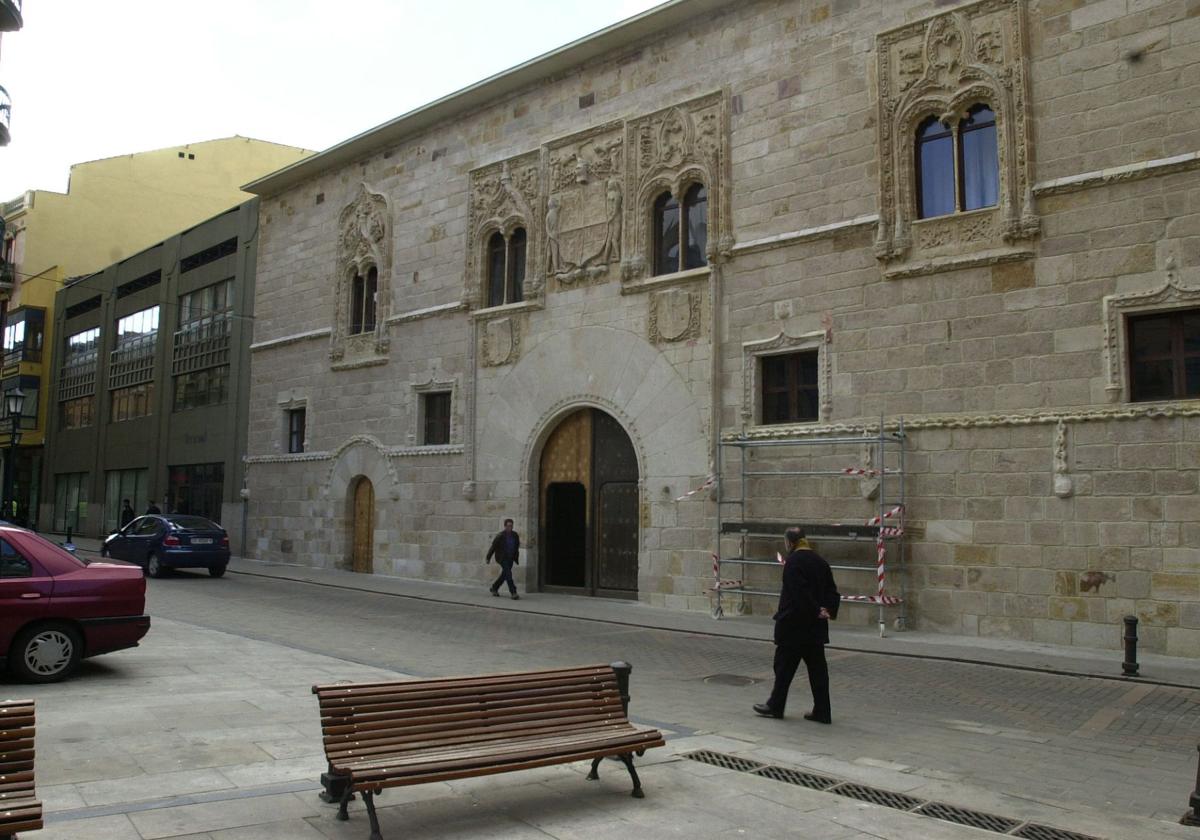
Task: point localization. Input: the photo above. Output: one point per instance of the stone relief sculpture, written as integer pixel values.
(940, 67)
(364, 243)
(501, 342)
(583, 234)
(671, 149)
(674, 315)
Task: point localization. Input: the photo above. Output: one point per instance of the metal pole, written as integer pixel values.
(1192, 817)
(1129, 667)
(9, 472)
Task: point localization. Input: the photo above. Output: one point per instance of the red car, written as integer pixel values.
(56, 609)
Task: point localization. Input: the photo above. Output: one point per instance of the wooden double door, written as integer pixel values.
(589, 507)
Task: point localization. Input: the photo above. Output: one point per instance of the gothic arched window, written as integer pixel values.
(363, 293)
(506, 267)
(681, 234)
(957, 165)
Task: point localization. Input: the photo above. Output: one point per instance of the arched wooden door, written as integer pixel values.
(363, 527)
(589, 507)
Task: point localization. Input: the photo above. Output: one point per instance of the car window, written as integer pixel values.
(194, 523)
(12, 564)
(147, 527)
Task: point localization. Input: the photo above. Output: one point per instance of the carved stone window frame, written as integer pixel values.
(678, 187)
(287, 402)
(502, 197)
(433, 385)
(668, 151)
(941, 66)
(754, 351)
(364, 242)
(506, 228)
(1172, 296)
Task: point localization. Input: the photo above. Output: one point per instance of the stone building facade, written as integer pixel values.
(981, 219)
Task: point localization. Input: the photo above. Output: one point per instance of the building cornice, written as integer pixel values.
(620, 36)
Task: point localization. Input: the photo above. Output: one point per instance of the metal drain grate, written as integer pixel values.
(963, 816)
(877, 796)
(729, 762)
(796, 777)
(1034, 831)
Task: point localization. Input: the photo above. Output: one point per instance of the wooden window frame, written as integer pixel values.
(684, 206)
(1177, 355)
(515, 244)
(435, 425)
(957, 154)
(794, 386)
(297, 433)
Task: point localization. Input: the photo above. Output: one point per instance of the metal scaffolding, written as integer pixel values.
(885, 530)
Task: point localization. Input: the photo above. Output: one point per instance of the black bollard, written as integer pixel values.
(623, 670)
(1129, 667)
(1192, 817)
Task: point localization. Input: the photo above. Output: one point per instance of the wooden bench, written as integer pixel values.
(19, 809)
(380, 735)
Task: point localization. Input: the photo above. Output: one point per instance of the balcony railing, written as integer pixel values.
(10, 15)
(22, 354)
(8, 276)
(133, 362)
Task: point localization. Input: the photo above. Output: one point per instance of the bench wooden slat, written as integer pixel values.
(404, 745)
(20, 810)
(489, 679)
(388, 703)
(465, 715)
(513, 727)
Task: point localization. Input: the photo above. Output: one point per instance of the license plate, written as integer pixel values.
(201, 540)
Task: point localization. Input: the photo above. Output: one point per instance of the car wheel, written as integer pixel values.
(216, 571)
(46, 653)
(154, 568)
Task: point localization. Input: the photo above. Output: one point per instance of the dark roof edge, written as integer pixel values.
(574, 54)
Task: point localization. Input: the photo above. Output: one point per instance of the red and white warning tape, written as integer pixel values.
(886, 600)
(708, 482)
(717, 582)
(868, 473)
(875, 520)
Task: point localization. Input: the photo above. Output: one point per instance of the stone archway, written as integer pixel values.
(589, 501)
(362, 525)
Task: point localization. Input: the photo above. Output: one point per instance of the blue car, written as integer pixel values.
(162, 542)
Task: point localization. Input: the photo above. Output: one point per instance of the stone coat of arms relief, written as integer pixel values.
(675, 315)
(584, 217)
(941, 66)
(364, 242)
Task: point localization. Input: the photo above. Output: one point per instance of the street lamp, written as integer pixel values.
(14, 403)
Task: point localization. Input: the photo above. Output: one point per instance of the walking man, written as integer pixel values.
(505, 547)
(808, 599)
(127, 514)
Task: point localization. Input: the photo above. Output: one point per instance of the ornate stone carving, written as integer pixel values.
(1064, 487)
(667, 151)
(941, 66)
(501, 342)
(503, 197)
(583, 209)
(1172, 294)
(434, 385)
(364, 242)
(674, 315)
(752, 351)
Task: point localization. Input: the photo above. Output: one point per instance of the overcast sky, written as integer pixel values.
(90, 80)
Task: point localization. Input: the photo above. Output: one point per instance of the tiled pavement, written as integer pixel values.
(209, 730)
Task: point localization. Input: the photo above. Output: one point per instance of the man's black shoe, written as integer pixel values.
(516, 597)
(495, 594)
(815, 719)
(766, 711)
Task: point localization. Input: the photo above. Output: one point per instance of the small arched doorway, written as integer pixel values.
(589, 507)
(362, 526)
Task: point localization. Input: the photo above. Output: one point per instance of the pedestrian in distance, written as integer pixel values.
(505, 547)
(127, 514)
(152, 508)
(808, 599)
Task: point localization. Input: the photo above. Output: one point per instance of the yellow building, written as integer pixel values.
(113, 208)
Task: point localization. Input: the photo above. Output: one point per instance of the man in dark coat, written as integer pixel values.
(808, 599)
(127, 514)
(505, 547)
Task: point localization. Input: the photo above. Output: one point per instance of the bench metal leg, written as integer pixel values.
(347, 795)
(333, 786)
(369, 800)
(594, 775)
(627, 759)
